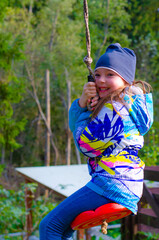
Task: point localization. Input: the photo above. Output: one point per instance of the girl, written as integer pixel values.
(110, 137)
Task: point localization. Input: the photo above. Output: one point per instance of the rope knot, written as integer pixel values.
(88, 60)
(104, 227)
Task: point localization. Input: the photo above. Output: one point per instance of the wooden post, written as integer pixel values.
(128, 228)
(83, 234)
(80, 234)
(151, 200)
(28, 206)
(88, 235)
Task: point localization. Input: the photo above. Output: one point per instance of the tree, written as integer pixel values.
(61, 23)
(144, 35)
(37, 31)
(11, 90)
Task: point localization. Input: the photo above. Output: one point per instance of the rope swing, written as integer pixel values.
(88, 60)
(111, 211)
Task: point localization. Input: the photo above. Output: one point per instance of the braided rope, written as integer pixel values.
(88, 60)
(104, 227)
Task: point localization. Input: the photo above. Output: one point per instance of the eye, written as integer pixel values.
(97, 75)
(110, 74)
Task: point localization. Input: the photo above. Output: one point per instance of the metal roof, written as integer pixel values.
(64, 180)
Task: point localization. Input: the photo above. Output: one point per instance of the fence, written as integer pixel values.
(147, 219)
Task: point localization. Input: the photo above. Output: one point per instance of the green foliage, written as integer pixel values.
(114, 233)
(27, 30)
(3, 6)
(11, 89)
(10, 49)
(13, 213)
(144, 18)
(10, 127)
(12, 209)
(147, 236)
(1, 169)
(150, 152)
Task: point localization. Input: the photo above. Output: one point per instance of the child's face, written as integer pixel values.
(107, 81)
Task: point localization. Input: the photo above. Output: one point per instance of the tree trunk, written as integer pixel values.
(11, 158)
(34, 95)
(3, 155)
(37, 141)
(78, 155)
(49, 134)
(47, 143)
(68, 149)
(47, 89)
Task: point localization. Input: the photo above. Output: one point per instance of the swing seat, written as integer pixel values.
(109, 212)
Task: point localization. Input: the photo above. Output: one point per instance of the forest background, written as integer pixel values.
(42, 46)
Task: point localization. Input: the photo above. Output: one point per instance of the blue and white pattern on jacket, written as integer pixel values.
(111, 142)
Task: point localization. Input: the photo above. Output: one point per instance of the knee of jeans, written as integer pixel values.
(53, 224)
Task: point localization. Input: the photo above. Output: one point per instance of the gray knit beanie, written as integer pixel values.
(121, 60)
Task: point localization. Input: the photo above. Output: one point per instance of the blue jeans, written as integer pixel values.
(56, 225)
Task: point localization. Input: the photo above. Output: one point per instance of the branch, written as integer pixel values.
(42, 113)
(53, 31)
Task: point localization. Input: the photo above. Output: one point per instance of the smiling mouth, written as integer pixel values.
(103, 89)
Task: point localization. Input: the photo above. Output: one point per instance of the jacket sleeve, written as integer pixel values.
(93, 136)
(140, 108)
(77, 115)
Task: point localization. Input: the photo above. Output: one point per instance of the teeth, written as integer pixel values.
(103, 89)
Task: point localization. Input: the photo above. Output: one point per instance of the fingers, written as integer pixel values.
(90, 90)
(92, 103)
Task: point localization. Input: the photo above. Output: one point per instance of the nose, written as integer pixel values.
(102, 79)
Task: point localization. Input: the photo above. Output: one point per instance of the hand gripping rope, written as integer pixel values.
(111, 211)
(88, 60)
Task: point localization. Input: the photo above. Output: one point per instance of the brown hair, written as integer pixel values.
(119, 95)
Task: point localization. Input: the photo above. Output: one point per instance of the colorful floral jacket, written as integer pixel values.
(111, 142)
